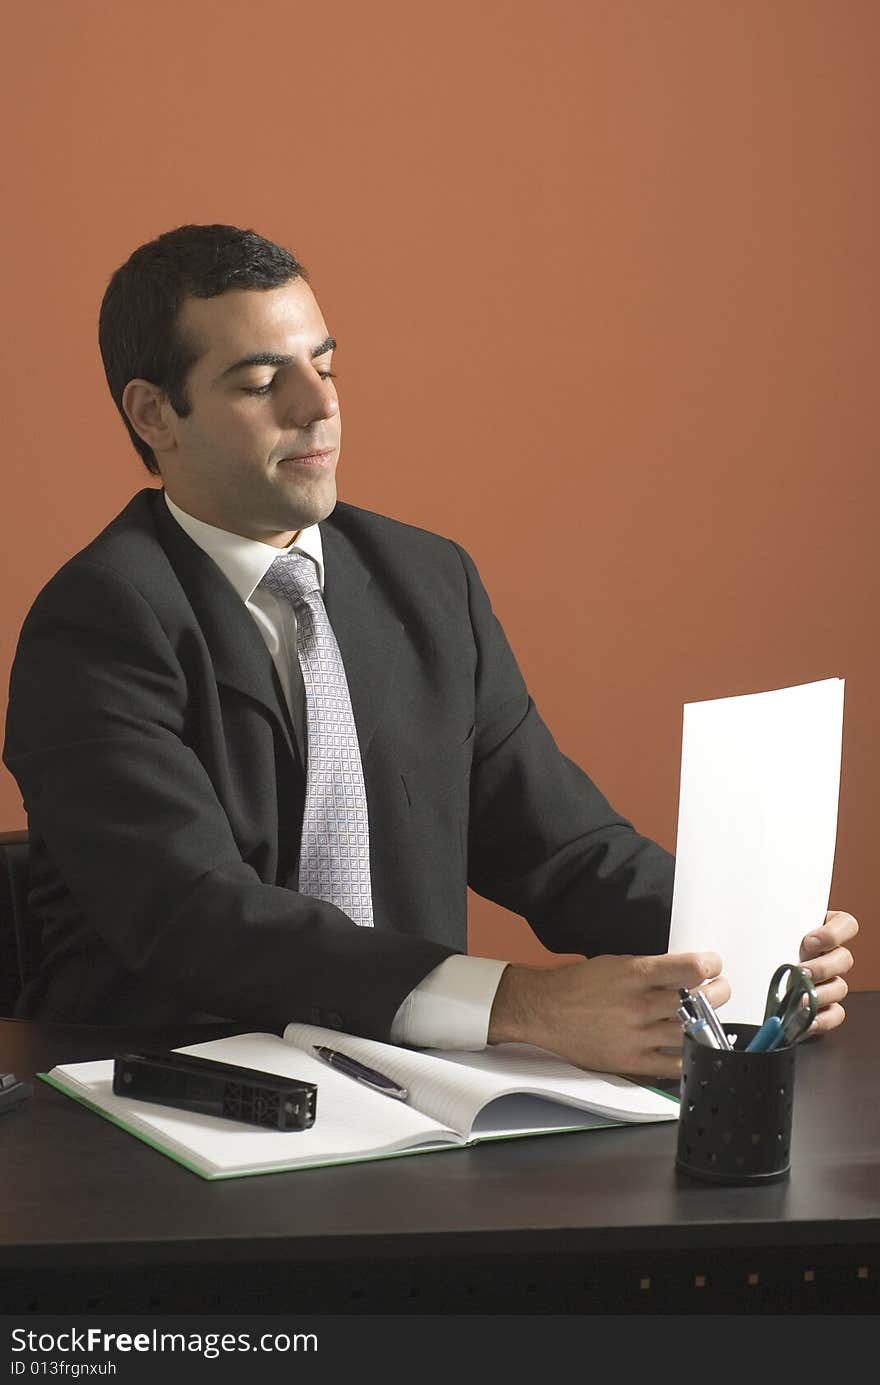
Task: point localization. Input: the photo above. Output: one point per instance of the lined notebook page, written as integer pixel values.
(453, 1086)
(523, 1067)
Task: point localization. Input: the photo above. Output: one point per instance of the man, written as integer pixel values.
(265, 740)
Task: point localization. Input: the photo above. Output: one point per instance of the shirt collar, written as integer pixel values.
(245, 562)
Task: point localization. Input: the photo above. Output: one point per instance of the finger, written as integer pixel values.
(666, 1034)
(688, 969)
(655, 1064)
(666, 1056)
(838, 928)
(717, 992)
(654, 1050)
(669, 1037)
(826, 1020)
(662, 1003)
(658, 1006)
(832, 993)
(831, 964)
(844, 926)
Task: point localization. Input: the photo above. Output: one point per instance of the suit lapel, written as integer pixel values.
(240, 658)
(367, 630)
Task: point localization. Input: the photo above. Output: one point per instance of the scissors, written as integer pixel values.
(795, 1006)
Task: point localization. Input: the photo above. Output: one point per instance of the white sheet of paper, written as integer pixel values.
(757, 827)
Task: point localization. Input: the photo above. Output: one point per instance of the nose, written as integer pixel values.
(308, 398)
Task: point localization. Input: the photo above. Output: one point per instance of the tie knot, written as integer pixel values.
(293, 575)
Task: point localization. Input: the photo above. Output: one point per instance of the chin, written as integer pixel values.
(321, 506)
(311, 509)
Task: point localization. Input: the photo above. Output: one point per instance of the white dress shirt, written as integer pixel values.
(450, 1008)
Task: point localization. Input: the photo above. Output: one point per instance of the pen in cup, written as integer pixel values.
(767, 1036)
(698, 1029)
(703, 1010)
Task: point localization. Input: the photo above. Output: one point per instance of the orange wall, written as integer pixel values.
(604, 275)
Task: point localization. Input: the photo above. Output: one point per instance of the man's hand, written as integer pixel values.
(610, 1014)
(826, 958)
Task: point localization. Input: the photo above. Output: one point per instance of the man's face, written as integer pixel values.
(257, 453)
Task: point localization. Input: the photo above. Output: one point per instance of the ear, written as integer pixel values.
(149, 413)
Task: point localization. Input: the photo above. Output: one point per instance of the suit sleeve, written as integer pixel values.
(97, 740)
(543, 841)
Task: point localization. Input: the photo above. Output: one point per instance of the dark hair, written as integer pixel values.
(137, 326)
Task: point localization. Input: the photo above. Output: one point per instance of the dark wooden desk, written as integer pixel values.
(94, 1220)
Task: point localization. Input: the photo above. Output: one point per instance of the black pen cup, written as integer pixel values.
(734, 1123)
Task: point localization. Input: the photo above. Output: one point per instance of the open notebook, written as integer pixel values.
(455, 1099)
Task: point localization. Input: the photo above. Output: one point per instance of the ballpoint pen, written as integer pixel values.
(699, 1030)
(766, 1036)
(701, 1009)
(705, 1009)
(360, 1072)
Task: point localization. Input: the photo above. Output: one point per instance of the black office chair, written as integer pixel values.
(19, 938)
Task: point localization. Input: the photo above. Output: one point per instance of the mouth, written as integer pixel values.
(321, 457)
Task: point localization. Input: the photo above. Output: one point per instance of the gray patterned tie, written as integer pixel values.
(335, 852)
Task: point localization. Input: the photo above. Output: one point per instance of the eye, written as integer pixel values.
(264, 389)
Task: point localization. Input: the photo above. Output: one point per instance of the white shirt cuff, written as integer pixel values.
(450, 1008)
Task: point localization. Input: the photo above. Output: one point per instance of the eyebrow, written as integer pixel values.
(272, 357)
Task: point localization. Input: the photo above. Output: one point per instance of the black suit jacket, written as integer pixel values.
(164, 791)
